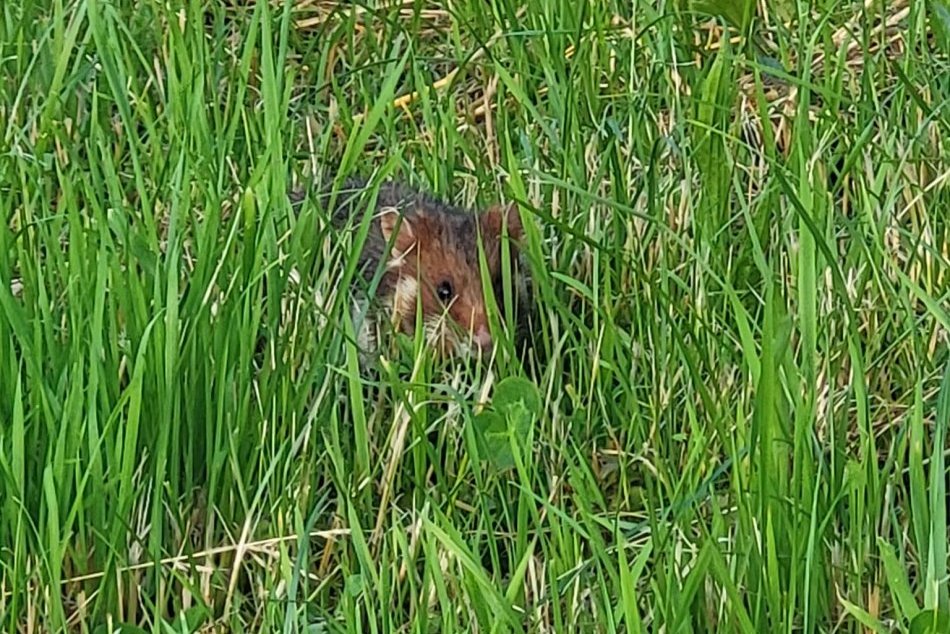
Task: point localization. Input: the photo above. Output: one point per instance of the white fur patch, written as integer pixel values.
(404, 296)
(439, 335)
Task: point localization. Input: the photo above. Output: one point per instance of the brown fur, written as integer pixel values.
(433, 243)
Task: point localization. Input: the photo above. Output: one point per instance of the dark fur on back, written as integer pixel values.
(456, 228)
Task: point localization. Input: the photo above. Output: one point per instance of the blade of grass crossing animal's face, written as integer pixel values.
(488, 291)
(369, 199)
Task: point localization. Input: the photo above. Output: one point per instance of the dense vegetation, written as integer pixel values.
(732, 414)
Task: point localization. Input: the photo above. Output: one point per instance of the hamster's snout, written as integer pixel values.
(482, 338)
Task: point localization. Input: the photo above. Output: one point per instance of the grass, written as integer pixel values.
(740, 336)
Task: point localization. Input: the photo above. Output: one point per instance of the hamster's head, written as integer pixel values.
(434, 264)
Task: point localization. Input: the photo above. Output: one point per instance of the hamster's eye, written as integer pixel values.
(444, 291)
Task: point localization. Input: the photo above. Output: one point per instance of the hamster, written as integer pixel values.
(433, 262)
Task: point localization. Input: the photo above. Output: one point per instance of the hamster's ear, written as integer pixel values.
(499, 215)
(389, 222)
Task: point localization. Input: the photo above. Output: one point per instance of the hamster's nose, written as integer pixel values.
(482, 337)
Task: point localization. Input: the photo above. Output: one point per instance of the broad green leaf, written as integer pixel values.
(930, 622)
(491, 432)
(513, 390)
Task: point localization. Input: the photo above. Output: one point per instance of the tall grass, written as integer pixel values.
(739, 333)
